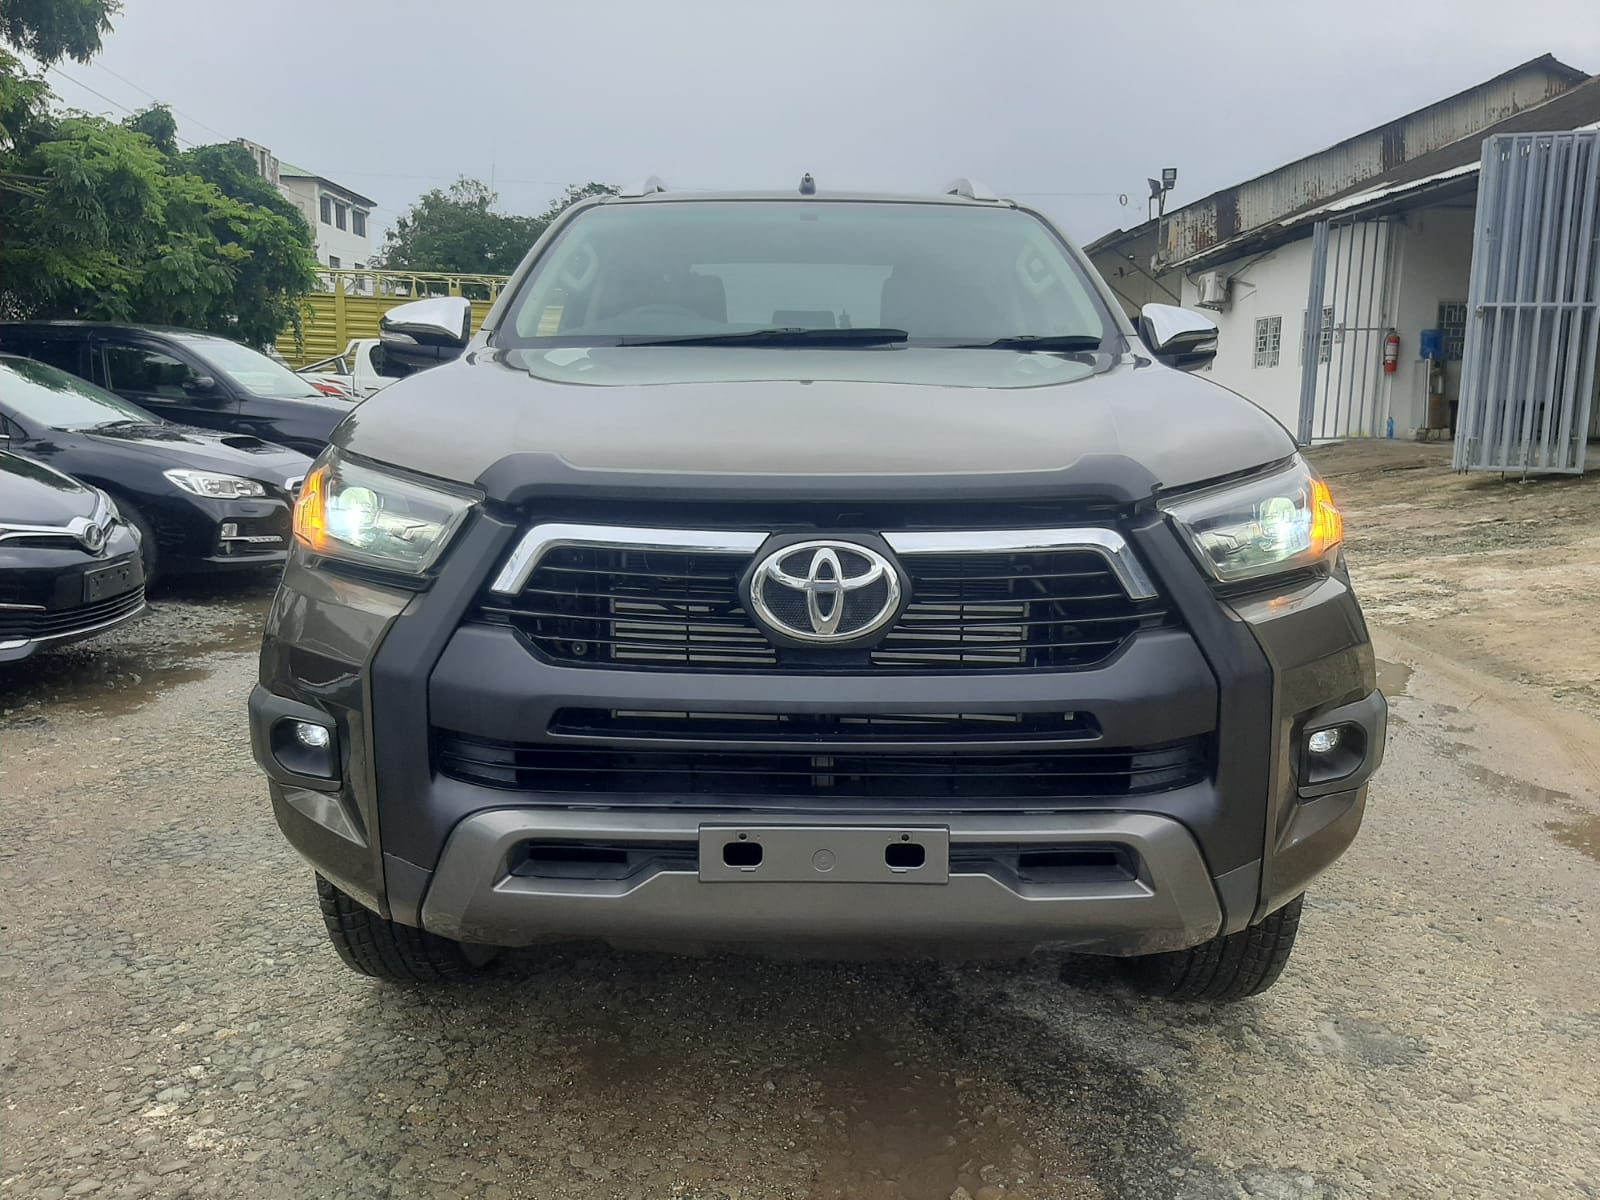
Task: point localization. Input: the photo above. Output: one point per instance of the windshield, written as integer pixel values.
(892, 272)
(250, 369)
(46, 396)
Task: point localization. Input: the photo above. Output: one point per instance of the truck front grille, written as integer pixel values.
(829, 728)
(1023, 775)
(613, 606)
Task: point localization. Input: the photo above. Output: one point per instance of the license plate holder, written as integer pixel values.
(895, 854)
(100, 583)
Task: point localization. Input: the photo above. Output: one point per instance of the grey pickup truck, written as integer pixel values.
(828, 572)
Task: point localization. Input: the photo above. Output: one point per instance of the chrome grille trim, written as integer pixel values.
(1108, 543)
(541, 539)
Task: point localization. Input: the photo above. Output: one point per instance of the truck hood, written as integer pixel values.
(912, 423)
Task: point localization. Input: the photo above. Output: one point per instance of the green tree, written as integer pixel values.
(109, 227)
(24, 102)
(574, 193)
(54, 29)
(157, 124)
(459, 230)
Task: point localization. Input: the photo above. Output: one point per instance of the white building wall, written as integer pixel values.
(1274, 285)
(1431, 259)
(344, 244)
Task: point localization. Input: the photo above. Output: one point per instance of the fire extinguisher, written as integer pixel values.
(1391, 353)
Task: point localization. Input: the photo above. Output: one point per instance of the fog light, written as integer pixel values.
(1323, 741)
(308, 734)
(230, 529)
(305, 747)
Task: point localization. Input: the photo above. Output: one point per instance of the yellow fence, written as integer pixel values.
(348, 304)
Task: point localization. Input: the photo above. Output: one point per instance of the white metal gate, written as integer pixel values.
(1346, 321)
(1528, 374)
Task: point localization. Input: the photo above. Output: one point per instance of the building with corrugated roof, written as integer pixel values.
(1398, 203)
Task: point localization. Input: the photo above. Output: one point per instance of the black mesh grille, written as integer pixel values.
(32, 625)
(1022, 775)
(680, 610)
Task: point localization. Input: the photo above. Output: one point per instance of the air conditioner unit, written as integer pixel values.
(1213, 289)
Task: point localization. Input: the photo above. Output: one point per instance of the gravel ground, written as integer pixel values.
(174, 1023)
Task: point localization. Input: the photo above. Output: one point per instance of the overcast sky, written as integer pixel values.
(1067, 104)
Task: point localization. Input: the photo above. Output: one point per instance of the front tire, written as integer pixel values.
(1230, 967)
(388, 950)
(149, 551)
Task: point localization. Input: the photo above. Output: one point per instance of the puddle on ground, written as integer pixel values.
(1581, 834)
(888, 1123)
(1580, 831)
(907, 1125)
(111, 676)
(1393, 678)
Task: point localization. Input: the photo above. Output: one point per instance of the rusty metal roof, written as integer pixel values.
(1452, 168)
(1361, 161)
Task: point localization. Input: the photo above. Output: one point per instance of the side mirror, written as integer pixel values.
(1179, 337)
(200, 385)
(423, 334)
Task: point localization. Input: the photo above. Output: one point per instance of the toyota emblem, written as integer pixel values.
(825, 592)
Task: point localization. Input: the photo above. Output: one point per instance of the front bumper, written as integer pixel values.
(200, 534)
(384, 667)
(43, 600)
(1163, 902)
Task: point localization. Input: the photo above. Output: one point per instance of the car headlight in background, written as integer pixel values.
(1264, 526)
(350, 511)
(215, 486)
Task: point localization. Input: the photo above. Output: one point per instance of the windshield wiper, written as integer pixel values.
(774, 337)
(1061, 343)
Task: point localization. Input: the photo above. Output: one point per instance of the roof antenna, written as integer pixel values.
(808, 185)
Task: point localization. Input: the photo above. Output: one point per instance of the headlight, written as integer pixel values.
(1277, 523)
(215, 486)
(358, 513)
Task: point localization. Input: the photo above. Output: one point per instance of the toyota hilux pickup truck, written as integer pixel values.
(819, 573)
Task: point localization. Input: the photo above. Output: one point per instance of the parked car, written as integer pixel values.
(813, 571)
(354, 373)
(201, 501)
(69, 563)
(191, 378)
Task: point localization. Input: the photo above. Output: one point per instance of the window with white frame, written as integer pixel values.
(1453, 324)
(1324, 337)
(358, 223)
(327, 210)
(340, 211)
(1269, 340)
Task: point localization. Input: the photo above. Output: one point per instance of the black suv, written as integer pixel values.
(824, 571)
(187, 377)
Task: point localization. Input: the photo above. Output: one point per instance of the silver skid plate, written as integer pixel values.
(824, 854)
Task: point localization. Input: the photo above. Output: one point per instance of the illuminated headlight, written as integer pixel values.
(215, 486)
(348, 510)
(1275, 523)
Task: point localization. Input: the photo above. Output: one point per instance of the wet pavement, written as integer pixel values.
(175, 1024)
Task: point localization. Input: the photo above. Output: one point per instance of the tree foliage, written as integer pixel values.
(106, 222)
(458, 230)
(51, 30)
